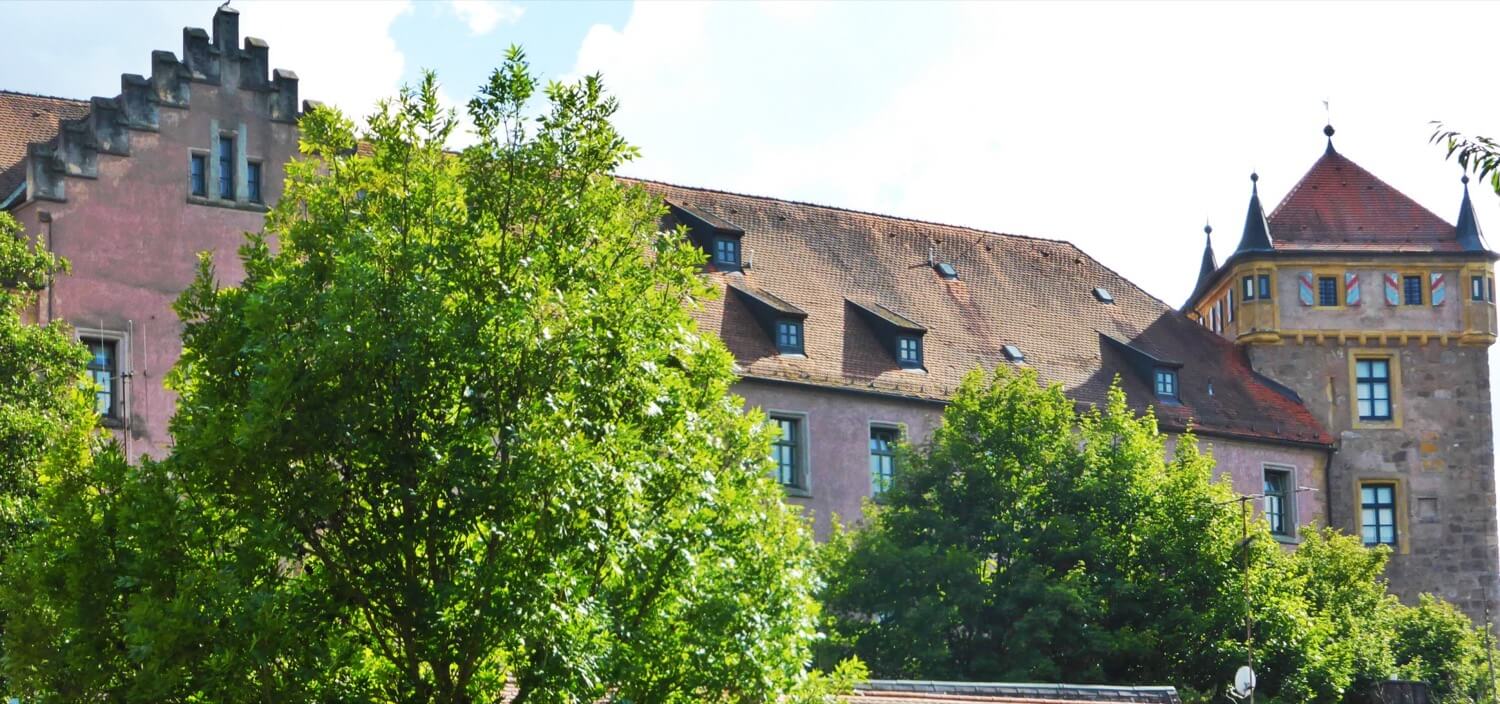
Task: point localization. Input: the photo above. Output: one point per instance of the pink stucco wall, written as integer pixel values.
(132, 237)
(1244, 463)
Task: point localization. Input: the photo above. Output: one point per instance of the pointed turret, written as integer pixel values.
(1469, 236)
(1210, 263)
(1257, 236)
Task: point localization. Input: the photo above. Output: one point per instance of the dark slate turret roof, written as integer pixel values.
(1035, 294)
(1467, 229)
(1210, 263)
(1256, 236)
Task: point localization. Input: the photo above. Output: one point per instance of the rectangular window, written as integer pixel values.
(1278, 483)
(789, 336)
(1263, 287)
(1229, 308)
(727, 251)
(1248, 292)
(1372, 382)
(1411, 290)
(909, 350)
(882, 458)
(104, 371)
(1328, 291)
(1377, 507)
(1166, 384)
(198, 175)
(1476, 288)
(226, 168)
(252, 181)
(1491, 291)
(787, 451)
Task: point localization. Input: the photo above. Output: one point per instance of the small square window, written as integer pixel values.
(726, 251)
(789, 336)
(947, 271)
(1377, 507)
(252, 182)
(788, 452)
(1247, 291)
(882, 458)
(1328, 291)
(1166, 384)
(1278, 501)
(1411, 290)
(104, 372)
(909, 350)
(1476, 288)
(1263, 287)
(1013, 353)
(198, 175)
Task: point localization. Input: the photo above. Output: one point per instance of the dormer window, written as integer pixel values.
(947, 271)
(900, 335)
(1013, 353)
(789, 336)
(909, 351)
(727, 252)
(1166, 384)
(1102, 295)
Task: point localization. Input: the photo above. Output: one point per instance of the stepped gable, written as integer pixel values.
(1036, 294)
(1338, 205)
(72, 146)
(26, 118)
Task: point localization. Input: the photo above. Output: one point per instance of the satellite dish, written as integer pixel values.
(1244, 681)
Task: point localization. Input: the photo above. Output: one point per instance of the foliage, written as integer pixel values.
(1032, 542)
(46, 414)
(454, 432)
(1478, 154)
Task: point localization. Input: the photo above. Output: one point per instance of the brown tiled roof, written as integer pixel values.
(1029, 292)
(1338, 205)
(24, 119)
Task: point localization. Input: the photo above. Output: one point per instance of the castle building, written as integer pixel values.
(1380, 315)
(852, 329)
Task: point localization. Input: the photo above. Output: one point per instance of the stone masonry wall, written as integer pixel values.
(1441, 458)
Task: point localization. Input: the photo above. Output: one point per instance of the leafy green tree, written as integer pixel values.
(455, 431)
(1476, 153)
(47, 421)
(1029, 541)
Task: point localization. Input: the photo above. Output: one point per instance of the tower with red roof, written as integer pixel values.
(1379, 314)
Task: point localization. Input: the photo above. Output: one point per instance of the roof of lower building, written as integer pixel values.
(27, 118)
(923, 692)
(1035, 294)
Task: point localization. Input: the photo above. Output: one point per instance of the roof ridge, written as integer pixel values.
(6, 91)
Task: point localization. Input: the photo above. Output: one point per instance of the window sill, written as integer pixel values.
(229, 204)
(797, 491)
(112, 422)
(1286, 539)
(791, 355)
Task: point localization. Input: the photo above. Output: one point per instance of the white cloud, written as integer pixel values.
(343, 53)
(483, 16)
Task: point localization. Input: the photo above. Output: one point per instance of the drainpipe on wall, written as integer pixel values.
(45, 218)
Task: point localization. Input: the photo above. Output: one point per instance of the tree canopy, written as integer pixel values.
(454, 434)
(1032, 542)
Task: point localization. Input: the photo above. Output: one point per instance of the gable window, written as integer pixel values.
(1328, 291)
(909, 350)
(1373, 388)
(104, 371)
(198, 175)
(1247, 291)
(252, 182)
(789, 336)
(226, 168)
(1411, 290)
(788, 452)
(882, 458)
(1263, 287)
(1377, 508)
(1278, 494)
(1476, 288)
(727, 251)
(1166, 384)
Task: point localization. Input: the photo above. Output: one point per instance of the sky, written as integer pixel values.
(1120, 127)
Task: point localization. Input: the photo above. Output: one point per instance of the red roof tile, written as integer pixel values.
(1034, 293)
(1338, 205)
(24, 119)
